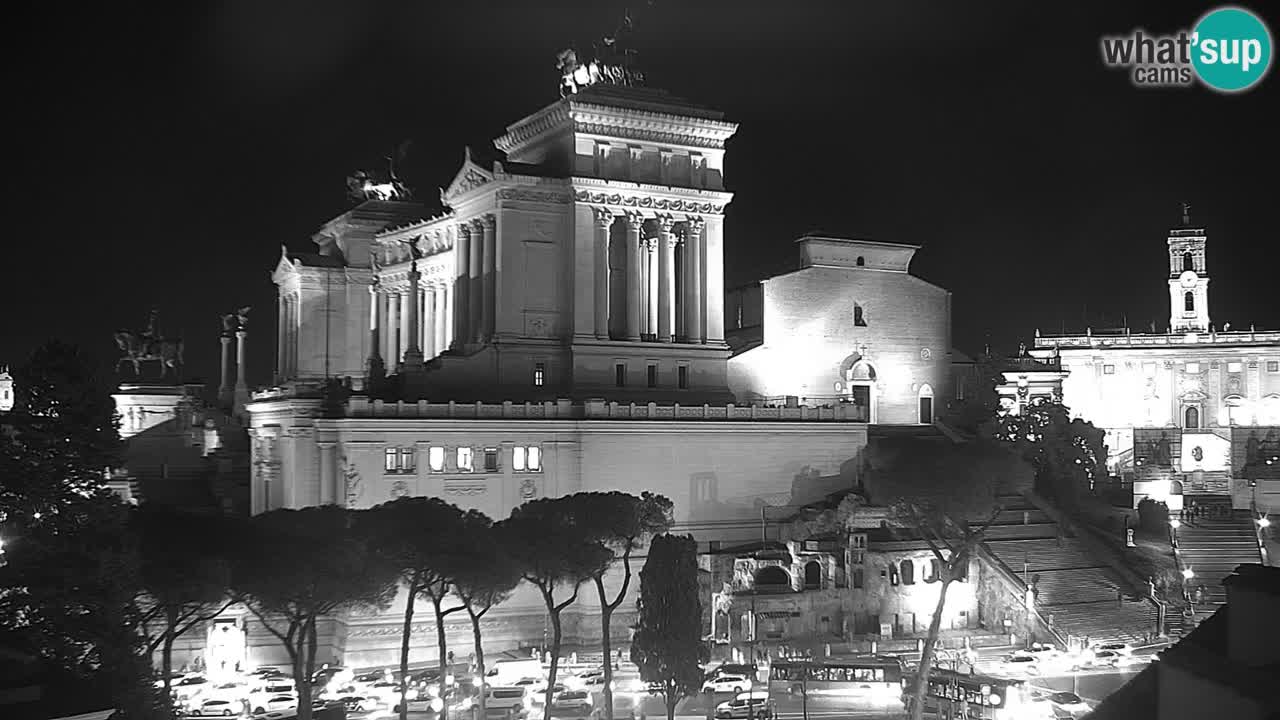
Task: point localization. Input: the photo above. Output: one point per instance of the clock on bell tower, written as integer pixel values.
(1188, 277)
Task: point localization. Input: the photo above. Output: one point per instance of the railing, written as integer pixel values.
(596, 410)
(1020, 585)
(1089, 339)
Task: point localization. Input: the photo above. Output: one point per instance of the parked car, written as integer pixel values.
(727, 683)
(222, 708)
(746, 705)
(573, 700)
(274, 702)
(1069, 702)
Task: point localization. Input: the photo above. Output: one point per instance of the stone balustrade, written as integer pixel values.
(1235, 337)
(596, 409)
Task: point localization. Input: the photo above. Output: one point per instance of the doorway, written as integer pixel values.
(1192, 416)
(926, 405)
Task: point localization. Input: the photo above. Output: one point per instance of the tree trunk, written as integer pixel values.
(606, 615)
(436, 599)
(672, 698)
(475, 633)
(555, 654)
(926, 657)
(166, 665)
(301, 682)
(404, 650)
(308, 661)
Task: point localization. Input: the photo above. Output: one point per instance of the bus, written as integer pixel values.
(963, 696)
(871, 676)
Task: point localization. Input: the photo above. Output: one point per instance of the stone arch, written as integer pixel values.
(862, 371)
(1188, 261)
(813, 575)
(772, 576)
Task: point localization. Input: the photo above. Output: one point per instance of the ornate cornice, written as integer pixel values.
(651, 126)
(549, 119)
(543, 196)
(648, 202)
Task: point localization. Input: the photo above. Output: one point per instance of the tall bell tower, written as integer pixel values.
(1188, 277)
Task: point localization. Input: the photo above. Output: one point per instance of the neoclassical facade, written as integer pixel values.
(1191, 412)
(558, 327)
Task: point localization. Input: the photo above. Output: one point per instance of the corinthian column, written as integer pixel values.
(693, 300)
(393, 327)
(429, 314)
(666, 280)
(376, 368)
(413, 352)
(402, 320)
(604, 220)
(651, 287)
(462, 288)
(475, 303)
(242, 335)
(443, 318)
(225, 385)
(281, 340)
(489, 274)
(635, 260)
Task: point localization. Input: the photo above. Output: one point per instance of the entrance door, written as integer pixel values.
(860, 395)
(926, 410)
(1193, 418)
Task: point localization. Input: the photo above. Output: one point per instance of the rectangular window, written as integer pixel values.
(1108, 369)
(1233, 367)
(1273, 366)
(682, 377)
(491, 459)
(435, 458)
(1193, 367)
(620, 375)
(526, 458)
(391, 460)
(652, 376)
(464, 459)
(408, 460)
(539, 374)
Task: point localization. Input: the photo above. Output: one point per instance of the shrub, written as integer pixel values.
(1153, 516)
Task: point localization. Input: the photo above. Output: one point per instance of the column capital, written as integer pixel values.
(694, 223)
(488, 221)
(665, 223)
(477, 225)
(604, 217)
(463, 228)
(635, 220)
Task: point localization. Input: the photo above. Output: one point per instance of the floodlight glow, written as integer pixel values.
(1264, 522)
(1188, 573)
(1175, 523)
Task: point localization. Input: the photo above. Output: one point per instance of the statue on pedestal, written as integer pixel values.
(148, 346)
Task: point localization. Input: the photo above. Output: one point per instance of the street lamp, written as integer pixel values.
(1174, 524)
(1263, 522)
(1188, 573)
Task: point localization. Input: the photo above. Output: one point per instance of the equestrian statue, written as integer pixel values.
(148, 346)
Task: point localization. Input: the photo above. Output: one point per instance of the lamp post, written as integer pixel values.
(1174, 524)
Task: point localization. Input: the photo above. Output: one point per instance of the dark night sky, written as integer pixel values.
(164, 156)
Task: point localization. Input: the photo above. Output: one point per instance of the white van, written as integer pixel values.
(509, 672)
(514, 698)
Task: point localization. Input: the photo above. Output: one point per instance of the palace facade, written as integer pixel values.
(560, 327)
(1190, 414)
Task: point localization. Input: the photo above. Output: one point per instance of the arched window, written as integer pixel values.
(861, 261)
(1193, 418)
(1189, 302)
(1237, 413)
(934, 572)
(908, 572)
(1188, 261)
(858, 319)
(813, 575)
(772, 577)
(862, 371)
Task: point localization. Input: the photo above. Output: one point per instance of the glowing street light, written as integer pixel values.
(1188, 573)
(1263, 522)
(1175, 523)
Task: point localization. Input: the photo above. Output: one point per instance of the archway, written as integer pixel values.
(925, 401)
(813, 575)
(1192, 418)
(861, 377)
(772, 577)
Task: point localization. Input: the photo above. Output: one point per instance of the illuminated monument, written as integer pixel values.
(558, 327)
(1191, 414)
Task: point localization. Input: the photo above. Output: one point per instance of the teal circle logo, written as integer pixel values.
(1231, 49)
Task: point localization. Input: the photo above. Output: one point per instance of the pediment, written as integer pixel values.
(470, 176)
(284, 266)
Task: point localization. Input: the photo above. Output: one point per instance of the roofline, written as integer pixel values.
(859, 241)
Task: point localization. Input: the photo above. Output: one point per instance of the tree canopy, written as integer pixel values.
(668, 647)
(1068, 455)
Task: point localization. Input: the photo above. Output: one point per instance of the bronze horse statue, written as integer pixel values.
(140, 347)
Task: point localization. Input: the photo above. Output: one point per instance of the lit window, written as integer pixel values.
(653, 376)
(399, 460)
(390, 460)
(1233, 367)
(1108, 369)
(408, 460)
(464, 459)
(526, 458)
(435, 458)
(1193, 368)
(620, 375)
(491, 459)
(682, 377)
(539, 374)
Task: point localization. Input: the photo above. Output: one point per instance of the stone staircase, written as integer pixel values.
(1213, 549)
(1078, 593)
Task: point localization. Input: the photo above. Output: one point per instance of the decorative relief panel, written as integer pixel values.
(540, 325)
(399, 489)
(533, 196)
(528, 489)
(460, 486)
(645, 201)
(352, 482)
